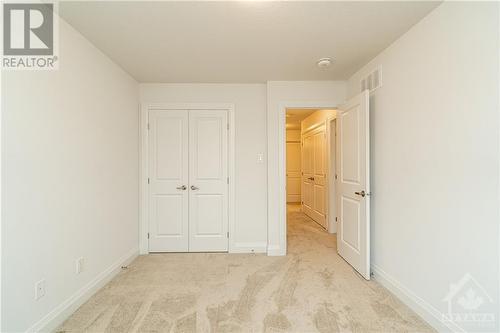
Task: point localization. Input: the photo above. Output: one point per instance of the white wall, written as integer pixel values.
(70, 180)
(250, 133)
(434, 155)
(281, 94)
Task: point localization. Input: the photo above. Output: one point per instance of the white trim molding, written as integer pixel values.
(60, 313)
(425, 310)
(275, 250)
(143, 217)
(257, 247)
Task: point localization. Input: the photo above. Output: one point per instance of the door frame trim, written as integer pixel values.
(282, 247)
(144, 167)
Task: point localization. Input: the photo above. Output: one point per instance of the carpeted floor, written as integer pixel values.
(312, 289)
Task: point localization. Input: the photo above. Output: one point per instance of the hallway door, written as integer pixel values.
(314, 177)
(353, 184)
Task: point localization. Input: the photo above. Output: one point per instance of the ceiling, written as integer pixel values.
(241, 41)
(295, 116)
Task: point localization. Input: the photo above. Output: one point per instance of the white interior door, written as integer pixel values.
(307, 174)
(314, 179)
(293, 169)
(208, 181)
(353, 184)
(320, 184)
(168, 180)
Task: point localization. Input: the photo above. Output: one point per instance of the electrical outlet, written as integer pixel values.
(79, 265)
(39, 289)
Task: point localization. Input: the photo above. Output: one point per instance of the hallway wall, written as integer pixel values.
(293, 166)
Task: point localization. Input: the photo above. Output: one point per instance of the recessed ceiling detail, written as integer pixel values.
(240, 42)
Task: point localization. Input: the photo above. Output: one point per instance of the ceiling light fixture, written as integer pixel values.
(324, 62)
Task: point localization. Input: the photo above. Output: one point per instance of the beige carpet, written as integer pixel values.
(312, 289)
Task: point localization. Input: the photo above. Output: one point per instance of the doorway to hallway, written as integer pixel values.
(308, 163)
(335, 174)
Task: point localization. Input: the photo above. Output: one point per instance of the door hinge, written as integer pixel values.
(335, 176)
(148, 180)
(148, 235)
(228, 126)
(335, 219)
(148, 126)
(227, 234)
(228, 180)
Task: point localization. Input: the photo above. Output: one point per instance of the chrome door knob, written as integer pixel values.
(183, 187)
(194, 188)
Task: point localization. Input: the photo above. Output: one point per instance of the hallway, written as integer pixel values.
(312, 289)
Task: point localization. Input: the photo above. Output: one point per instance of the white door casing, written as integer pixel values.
(332, 181)
(353, 183)
(293, 171)
(314, 178)
(168, 180)
(208, 181)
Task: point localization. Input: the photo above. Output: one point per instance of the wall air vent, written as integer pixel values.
(372, 81)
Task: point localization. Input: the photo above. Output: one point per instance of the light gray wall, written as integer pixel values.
(435, 155)
(70, 178)
(250, 121)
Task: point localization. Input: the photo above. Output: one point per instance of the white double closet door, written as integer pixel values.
(188, 181)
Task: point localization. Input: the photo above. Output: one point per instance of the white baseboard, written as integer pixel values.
(258, 247)
(60, 313)
(275, 250)
(425, 310)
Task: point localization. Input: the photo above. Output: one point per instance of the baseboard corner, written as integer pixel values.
(257, 247)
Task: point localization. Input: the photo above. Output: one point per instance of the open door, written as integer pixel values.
(353, 183)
